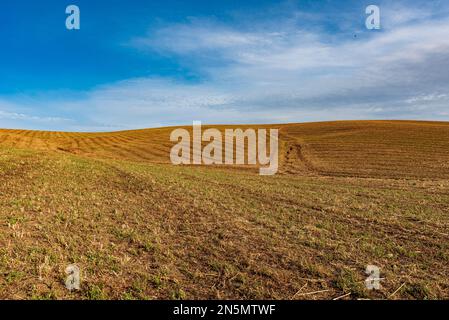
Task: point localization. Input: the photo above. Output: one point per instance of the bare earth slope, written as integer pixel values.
(346, 148)
(348, 194)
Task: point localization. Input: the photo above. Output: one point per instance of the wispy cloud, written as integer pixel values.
(27, 117)
(281, 71)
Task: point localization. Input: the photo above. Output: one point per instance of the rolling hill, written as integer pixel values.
(347, 148)
(348, 194)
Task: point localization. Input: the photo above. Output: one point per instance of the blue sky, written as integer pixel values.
(137, 64)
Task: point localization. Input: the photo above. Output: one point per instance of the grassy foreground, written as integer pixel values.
(349, 194)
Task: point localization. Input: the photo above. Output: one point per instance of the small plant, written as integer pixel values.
(95, 292)
(178, 294)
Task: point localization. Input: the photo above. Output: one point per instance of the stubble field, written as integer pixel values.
(348, 194)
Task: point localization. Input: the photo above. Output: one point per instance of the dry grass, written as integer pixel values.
(349, 194)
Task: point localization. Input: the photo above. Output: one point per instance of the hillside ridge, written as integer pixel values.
(379, 148)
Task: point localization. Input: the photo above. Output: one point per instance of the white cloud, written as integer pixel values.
(27, 117)
(279, 72)
(428, 98)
